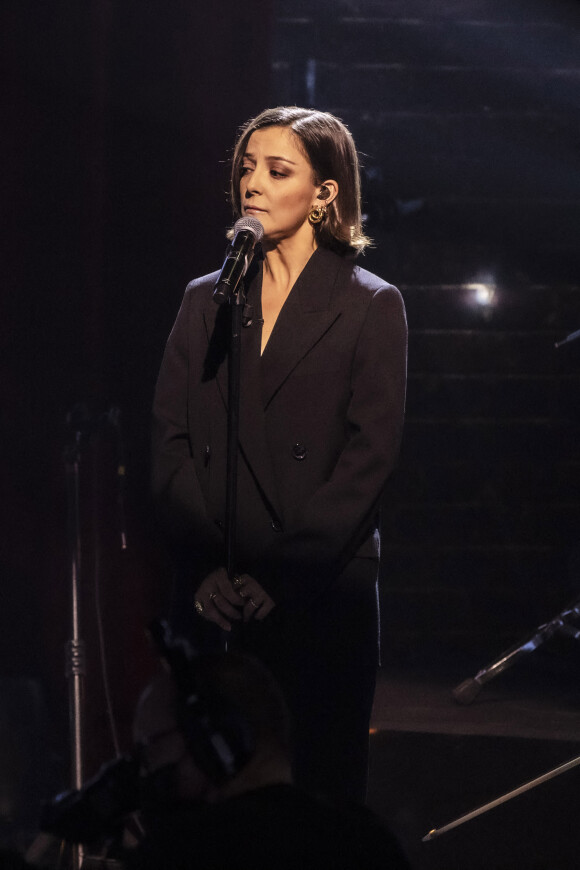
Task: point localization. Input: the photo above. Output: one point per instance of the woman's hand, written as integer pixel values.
(217, 600)
(257, 604)
(222, 602)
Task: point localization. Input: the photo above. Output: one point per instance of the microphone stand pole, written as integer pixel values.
(237, 301)
(75, 648)
(230, 288)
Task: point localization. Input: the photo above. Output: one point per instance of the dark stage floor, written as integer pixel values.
(433, 760)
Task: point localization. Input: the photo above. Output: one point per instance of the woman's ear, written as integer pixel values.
(328, 191)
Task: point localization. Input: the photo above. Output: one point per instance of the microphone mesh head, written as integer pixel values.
(251, 224)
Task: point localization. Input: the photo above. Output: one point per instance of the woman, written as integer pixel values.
(322, 402)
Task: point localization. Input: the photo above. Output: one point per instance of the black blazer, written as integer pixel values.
(320, 426)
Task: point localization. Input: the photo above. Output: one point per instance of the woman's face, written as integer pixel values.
(277, 184)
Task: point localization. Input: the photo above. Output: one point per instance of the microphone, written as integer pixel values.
(247, 233)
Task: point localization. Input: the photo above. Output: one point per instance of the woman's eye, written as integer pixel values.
(275, 173)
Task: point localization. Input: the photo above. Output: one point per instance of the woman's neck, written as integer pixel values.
(284, 262)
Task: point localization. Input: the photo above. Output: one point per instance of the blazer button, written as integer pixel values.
(276, 526)
(206, 455)
(219, 524)
(299, 452)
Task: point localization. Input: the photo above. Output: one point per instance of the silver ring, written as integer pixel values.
(237, 582)
(198, 606)
(253, 603)
(212, 596)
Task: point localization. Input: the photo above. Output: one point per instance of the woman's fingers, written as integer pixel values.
(257, 604)
(223, 601)
(216, 601)
(211, 613)
(258, 607)
(267, 606)
(227, 589)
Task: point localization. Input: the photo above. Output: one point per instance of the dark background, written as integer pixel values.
(118, 123)
(119, 120)
(467, 114)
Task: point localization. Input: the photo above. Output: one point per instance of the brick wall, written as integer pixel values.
(467, 115)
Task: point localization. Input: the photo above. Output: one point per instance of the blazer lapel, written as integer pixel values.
(217, 325)
(218, 329)
(252, 435)
(252, 431)
(305, 317)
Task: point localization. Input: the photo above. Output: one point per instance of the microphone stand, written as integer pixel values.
(75, 648)
(230, 288)
(81, 424)
(237, 301)
(235, 296)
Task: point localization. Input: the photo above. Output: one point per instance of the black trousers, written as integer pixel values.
(325, 660)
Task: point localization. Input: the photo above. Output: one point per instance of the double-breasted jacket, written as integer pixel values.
(321, 416)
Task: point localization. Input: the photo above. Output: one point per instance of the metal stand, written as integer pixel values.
(467, 691)
(229, 288)
(81, 424)
(237, 302)
(75, 648)
(562, 768)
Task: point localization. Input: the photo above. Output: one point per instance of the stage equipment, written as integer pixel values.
(75, 648)
(467, 691)
(81, 425)
(572, 337)
(562, 768)
(248, 231)
(230, 289)
(220, 739)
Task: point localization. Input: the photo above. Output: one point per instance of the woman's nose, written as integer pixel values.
(253, 182)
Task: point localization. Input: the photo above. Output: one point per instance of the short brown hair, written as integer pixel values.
(330, 149)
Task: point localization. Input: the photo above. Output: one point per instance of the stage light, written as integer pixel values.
(483, 291)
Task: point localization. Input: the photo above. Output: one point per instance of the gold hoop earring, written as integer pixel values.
(317, 214)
